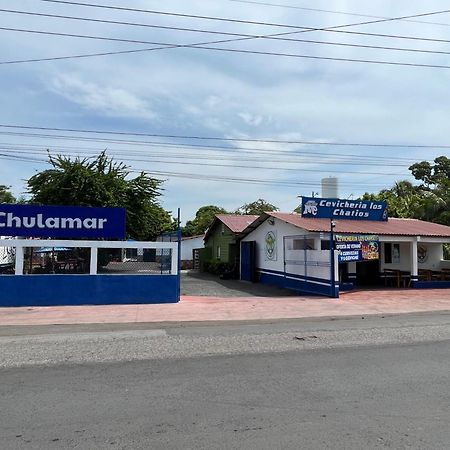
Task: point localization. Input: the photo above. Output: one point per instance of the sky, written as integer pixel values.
(274, 125)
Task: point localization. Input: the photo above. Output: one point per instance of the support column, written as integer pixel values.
(18, 270)
(414, 262)
(94, 257)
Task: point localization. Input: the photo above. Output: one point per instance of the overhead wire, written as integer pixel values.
(230, 152)
(203, 177)
(173, 45)
(197, 16)
(345, 13)
(151, 158)
(225, 139)
(207, 45)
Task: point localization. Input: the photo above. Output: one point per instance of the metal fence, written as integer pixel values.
(304, 259)
(53, 257)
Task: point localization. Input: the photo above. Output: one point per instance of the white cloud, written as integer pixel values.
(102, 99)
(204, 93)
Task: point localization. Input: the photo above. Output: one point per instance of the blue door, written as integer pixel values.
(248, 260)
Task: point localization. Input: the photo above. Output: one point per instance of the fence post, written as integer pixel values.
(94, 258)
(18, 269)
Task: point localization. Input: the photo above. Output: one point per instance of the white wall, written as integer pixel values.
(433, 261)
(435, 254)
(187, 245)
(405, 257)
(259, 235)
(283, 229)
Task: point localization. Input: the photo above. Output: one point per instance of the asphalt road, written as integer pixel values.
(331, 392)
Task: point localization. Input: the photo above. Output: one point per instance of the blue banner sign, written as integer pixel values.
(334, 208)
(62, 221)
(357, 247)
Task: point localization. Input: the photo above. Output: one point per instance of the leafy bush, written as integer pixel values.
(217, 267)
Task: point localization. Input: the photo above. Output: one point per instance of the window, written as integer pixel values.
(387, 253)
(325, 245)
(218, 252)
(391, 253)
(303, 244)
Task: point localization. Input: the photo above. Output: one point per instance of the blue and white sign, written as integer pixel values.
(334, 208)
(357, 247)
(62, 221)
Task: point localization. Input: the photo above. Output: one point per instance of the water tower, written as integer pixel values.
(330, 187)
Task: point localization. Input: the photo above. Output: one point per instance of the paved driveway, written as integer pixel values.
(203, 284)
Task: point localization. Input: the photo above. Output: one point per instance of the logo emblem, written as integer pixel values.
(310, 207)
(271, 246)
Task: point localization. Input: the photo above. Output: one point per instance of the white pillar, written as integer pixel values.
(414, 260)
(19, 261)
(93, 267)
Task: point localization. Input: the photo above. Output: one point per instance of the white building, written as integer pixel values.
(294, 252)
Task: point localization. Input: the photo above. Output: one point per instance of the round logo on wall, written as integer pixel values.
(422, 253)
(271, 246)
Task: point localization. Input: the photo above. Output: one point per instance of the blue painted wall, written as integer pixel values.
(430, 284)
(56, 290)
(300, 284)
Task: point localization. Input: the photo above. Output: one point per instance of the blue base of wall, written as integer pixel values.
(430, 284)
(346, 287)
(58, 290)
(310, 286)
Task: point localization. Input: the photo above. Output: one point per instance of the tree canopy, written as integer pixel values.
(5, 195)
(428, 201)
(203, 219)
(257, 207)
(102, 182)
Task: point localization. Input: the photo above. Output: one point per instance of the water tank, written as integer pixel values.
(330, 187)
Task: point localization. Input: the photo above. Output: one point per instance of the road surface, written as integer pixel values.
(348, 384)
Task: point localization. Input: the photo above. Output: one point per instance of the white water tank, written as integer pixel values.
(330, 187)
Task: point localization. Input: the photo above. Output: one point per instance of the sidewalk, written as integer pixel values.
(199, 309)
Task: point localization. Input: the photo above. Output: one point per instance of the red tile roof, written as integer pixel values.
(236, 223)
(398, 227)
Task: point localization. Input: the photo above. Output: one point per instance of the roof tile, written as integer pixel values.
(394, 226)
(236, 223)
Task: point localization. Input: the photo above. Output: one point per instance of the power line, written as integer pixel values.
(236, 154)
(346, 13)
(150, 158)
(205, 47)
(230, 50)
(196, 16)
(172, 45)
(202, 177)
(221, 152)
(299, 29)
(217, 138)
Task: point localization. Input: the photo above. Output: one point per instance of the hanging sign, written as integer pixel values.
(333, 208)
(62, 221)
(357, 247)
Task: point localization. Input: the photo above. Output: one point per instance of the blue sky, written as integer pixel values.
(196, 92)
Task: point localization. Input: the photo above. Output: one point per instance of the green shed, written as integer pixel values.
(223, 237)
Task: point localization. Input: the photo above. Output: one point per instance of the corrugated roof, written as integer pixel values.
(236, 223)
(397, 227)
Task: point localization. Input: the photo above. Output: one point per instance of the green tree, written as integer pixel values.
(203, 219)
(102, 182)
(428, 201)
(436, 186)
(257, 207)
(5, 195)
